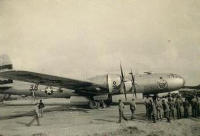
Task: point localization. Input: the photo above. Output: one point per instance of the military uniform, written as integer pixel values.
(121, 111)
(186, 106)
(41, 107)
(198, 107)
(36, 116)
(166, 110)
(132, 108)
(169, 97)
(164, 107)
(154, 111)
(172, 108)
(148, 108)
(194, 107)
(147, 104)
(178, 107)
(159, 109)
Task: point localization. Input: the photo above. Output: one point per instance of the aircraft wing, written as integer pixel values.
(192, 87)
(85, 87)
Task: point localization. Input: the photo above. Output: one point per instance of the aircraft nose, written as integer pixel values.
(176, 82)
(181, 81)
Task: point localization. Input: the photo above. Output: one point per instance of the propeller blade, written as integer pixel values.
(122, 74)
(125, 91)
(133, 83)
(122, 82)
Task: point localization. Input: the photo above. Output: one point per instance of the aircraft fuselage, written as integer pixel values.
(144, 83)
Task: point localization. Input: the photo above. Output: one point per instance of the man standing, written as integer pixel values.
(186, 106)
(148, 107)
(36, 116)
(163, 99)
(159, 109)
(194, 107)
(154, 111)
(178, 107)
(198, 107)
(132, 108)
(41, 107)
(172, 107)
(121, 111)
(169, 97)
(166, 110)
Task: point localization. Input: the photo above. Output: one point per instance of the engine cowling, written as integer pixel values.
(113, 82)
(110, 81)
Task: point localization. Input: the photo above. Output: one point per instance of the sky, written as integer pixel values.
(83, 38)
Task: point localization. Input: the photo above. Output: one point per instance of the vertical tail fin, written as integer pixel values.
(5, 63)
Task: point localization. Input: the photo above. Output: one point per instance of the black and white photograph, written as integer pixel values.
(99, 68)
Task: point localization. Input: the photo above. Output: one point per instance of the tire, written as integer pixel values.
(93, 104)
(104, 105)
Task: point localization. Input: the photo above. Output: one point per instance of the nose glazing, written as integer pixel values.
(181, 81)
(176, 82)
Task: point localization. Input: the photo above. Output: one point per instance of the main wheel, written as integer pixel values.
(93, 104)
(104, 105)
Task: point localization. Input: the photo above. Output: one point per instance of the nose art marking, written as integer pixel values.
(162, 84)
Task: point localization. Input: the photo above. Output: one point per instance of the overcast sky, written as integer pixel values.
(83, 38)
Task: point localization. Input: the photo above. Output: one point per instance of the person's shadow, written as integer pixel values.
(105, 120)
(46, 110)
(22, 123)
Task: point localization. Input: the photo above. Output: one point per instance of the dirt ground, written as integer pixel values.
(76, 121)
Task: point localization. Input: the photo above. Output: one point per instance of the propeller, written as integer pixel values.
(122, 85)
(133, 83)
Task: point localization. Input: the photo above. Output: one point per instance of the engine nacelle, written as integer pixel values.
(112, 82)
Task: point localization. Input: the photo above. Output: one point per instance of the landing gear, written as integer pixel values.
(97, 104)
(108, 102)
(94, 104)
(102, 101)
(103, 104)
(6, 96)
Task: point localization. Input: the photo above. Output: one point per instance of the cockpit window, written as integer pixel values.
(173, 76)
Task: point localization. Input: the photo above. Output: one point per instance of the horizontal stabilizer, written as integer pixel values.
(192, 87)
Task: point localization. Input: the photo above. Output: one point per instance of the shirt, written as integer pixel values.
(132, 105)
(121, 106)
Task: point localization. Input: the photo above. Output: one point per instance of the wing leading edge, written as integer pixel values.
(49, 80)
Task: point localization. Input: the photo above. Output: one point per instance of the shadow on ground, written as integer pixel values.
(59, 108)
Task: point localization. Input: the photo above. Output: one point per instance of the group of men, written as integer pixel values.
(171, 107)
(121, 110)
(156, 108)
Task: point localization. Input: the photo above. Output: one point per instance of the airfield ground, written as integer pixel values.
(76, 121)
